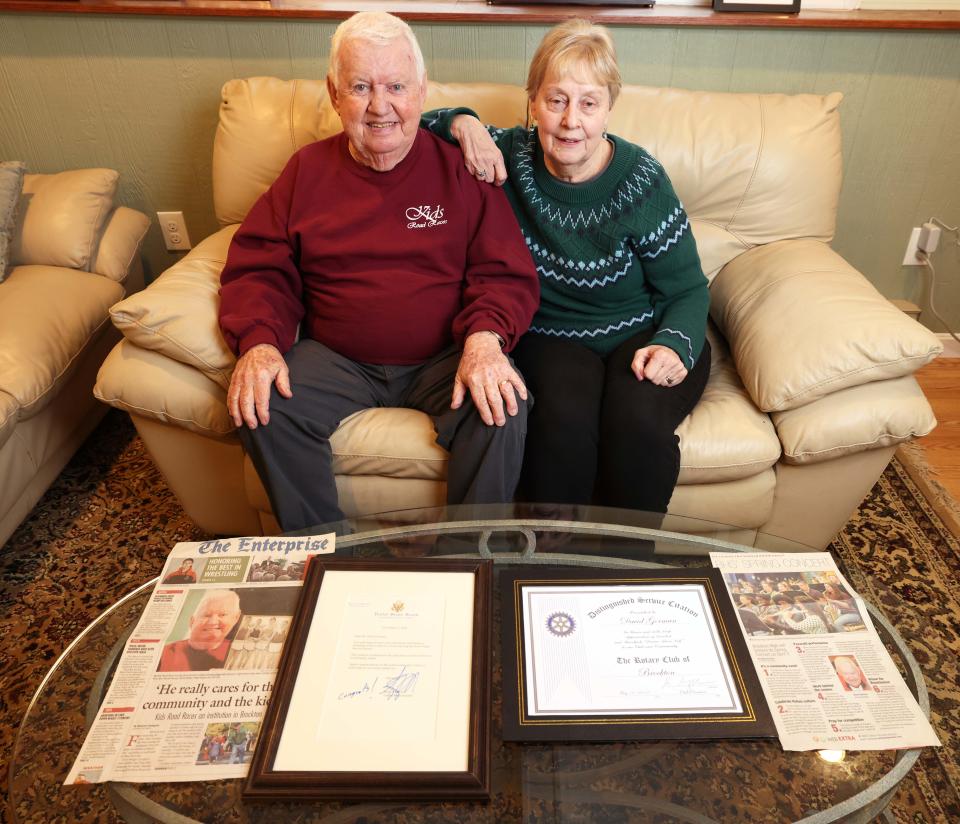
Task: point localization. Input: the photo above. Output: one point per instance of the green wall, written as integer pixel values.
(140, 94)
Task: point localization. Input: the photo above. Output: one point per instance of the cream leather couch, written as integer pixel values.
(804, 406)
(74, 255)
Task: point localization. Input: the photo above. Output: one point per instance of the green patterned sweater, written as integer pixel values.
(615, 255)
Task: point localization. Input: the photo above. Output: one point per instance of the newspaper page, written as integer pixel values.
(827, 677)
(192, 684)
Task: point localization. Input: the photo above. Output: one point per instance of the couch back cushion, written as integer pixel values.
(264, 120)
(749, 168)
(61, 217)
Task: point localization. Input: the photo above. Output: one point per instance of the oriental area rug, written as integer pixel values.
(108, 522)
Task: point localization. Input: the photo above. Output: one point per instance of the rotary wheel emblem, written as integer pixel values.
(561, 624)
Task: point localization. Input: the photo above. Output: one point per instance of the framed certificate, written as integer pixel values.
(383, 688)
(606, 655)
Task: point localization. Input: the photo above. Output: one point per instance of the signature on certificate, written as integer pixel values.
(403, 683)
(674, 685)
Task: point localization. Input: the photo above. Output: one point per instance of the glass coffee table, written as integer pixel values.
(669, 781)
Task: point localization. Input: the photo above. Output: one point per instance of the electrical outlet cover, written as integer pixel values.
(910, 258)
(174, 229)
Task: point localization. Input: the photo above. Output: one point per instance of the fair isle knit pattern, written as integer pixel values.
(615, 254)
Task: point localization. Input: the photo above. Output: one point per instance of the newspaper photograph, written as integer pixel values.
(194, 678)
(828, 679)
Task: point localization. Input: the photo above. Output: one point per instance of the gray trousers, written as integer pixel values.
(292, 453)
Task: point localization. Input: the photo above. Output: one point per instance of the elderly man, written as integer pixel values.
(206, 646)
(408, 279)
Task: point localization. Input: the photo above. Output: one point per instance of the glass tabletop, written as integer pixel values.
(668, 781)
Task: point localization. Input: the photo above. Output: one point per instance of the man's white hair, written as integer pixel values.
(377, 27)
(216, 594)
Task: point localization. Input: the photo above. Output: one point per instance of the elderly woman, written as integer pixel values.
(616, 356)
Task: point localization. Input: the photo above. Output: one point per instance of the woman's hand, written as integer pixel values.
(480, 154)
(659, 365)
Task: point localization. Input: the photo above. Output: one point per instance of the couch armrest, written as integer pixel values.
(881, 413)
(149, 384)
(802, 323)
(176, 315)
(123, 233)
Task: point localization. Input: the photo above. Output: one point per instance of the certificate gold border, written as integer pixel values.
(754, 716)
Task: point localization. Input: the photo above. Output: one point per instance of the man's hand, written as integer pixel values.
(480, 154)
(248, 398)
(658, 364)
(487, 373)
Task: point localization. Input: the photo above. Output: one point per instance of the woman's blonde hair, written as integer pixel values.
(573, 49)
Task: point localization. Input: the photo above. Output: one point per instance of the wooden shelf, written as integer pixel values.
(477, 11)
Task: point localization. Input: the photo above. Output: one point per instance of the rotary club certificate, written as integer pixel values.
(596, 654)
(605, 649)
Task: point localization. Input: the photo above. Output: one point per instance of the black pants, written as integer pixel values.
(597, 434)
(292, 453)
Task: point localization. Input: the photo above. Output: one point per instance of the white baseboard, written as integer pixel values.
(951, 349)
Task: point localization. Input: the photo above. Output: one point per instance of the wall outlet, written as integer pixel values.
(174, 229)
(910, 258)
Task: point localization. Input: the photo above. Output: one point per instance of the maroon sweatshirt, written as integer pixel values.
(382, 267)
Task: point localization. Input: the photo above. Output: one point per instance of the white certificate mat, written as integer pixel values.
(624, 650)
(385, 678)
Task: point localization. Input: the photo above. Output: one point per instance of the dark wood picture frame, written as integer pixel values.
(754, 721)
(792, 7)
(265, 783)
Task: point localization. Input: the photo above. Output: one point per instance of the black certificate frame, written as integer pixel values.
(266, 783)
(754, 721)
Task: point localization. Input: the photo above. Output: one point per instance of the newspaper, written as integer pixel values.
(827, 677)
(192, 684)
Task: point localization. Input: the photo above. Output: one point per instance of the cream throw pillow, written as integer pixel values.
(11, 182)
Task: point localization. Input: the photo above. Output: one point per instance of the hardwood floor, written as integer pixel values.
(940, 381)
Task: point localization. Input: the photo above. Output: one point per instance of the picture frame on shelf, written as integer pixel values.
(769, 6)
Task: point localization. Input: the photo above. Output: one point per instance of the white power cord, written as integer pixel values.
(926, 244)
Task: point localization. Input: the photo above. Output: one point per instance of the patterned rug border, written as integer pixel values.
(913, 460)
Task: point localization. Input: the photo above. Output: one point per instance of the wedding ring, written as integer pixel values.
(481, 173)
(669, 381)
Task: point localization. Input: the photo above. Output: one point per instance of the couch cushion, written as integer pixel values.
(863, 417)
(177, 314)
(61, 216)
(9, 415)
(725, 437)
(802, 323)
(745, 503)
(11, 182)
(47, 316)
(758, 167)
(264, 120)
(398, 443)
(123, 232)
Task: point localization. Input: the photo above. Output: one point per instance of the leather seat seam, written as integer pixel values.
(153, 331)
(827, 381)
(878, 439)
